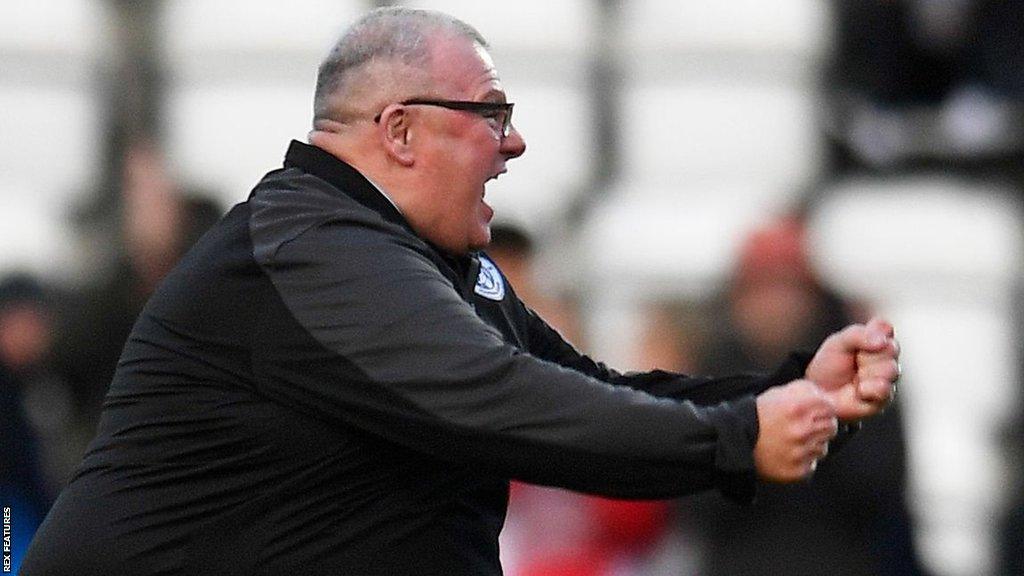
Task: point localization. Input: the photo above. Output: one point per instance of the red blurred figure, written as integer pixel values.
(569, 534)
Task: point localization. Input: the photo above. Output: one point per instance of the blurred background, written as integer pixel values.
(708, 185)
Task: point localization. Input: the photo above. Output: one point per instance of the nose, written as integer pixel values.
(514, 144)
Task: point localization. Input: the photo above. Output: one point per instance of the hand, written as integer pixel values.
(795, 422)
(857, 368)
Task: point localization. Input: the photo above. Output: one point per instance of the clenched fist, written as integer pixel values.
(796, 422)
(857, 368)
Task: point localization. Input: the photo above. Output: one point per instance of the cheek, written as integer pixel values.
(478, 154)
(468, 178)
(462, 167)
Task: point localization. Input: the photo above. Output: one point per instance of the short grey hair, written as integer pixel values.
(391, 35)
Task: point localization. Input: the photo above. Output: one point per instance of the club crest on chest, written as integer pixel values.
(489, 282)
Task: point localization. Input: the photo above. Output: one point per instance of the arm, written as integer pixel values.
(796, 419)
(399, 354)
(546, 343)
(856, 368)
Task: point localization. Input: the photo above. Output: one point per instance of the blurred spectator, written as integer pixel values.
(1010, 544)
(26, 476)
(851, 518)
(158, 223)
(672, 334)
(928, 80)
(514, 252)
(569, 534)
(773, 304)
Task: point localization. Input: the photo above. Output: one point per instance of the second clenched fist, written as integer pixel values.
(796, 422)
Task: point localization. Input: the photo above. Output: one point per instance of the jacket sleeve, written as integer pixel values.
(400, 355)
(547, 343)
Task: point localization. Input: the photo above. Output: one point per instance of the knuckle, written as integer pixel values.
(801, 385)
(801, 432)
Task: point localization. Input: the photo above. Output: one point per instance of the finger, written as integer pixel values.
(855, 407)
(877, 367)
(806, 463)
(889, 350)
(823, 434)
(833, 427)
(824, 404)
(812, 465)
(875, 390)
(821, 450)
(858, 338)
(884, 326)
(809, 400)
(879, 323)
(812, 454)
(862, 410)
(825, 422)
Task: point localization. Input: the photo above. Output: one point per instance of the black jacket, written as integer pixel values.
(317, 390)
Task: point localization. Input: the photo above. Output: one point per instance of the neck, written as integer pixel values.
(372, 164)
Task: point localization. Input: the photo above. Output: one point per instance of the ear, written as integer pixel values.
(396, 134)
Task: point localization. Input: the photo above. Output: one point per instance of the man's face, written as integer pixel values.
(459, 151)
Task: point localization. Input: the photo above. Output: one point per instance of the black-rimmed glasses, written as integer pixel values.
(498, 112)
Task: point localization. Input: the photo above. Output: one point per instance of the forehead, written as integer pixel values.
(464, 69)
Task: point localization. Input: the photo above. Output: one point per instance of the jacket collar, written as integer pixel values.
(349, 181)
(342, 176)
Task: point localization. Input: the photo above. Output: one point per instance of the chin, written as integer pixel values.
(480, 245)
(480, 240)
(477, 242)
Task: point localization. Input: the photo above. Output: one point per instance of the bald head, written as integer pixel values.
(412, 100)
(382, 58)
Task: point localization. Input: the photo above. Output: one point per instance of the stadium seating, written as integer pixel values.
(34, 236)
(241, 81)
(717, 132)
(942, 259)
(52, 54)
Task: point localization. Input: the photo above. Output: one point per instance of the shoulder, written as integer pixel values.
(290, 205)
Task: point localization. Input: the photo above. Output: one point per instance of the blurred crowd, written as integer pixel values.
(852, 519)
(927, 82)
(912, 85)
(59, 347)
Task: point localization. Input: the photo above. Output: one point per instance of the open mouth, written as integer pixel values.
(483, 189)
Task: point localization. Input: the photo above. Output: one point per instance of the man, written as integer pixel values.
(335, 381)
